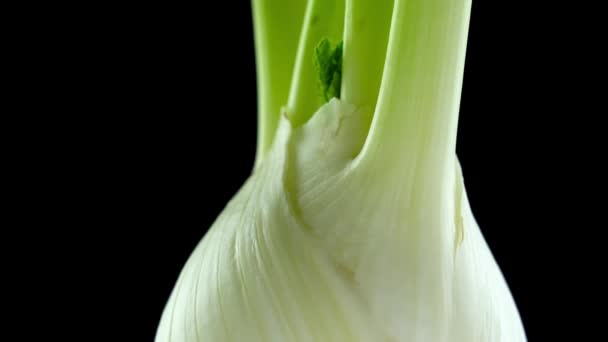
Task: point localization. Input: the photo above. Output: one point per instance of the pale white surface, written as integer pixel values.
(315, 247)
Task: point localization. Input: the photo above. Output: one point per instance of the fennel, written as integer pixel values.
(355, 224)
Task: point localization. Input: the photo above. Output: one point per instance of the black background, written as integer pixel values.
(164, 132)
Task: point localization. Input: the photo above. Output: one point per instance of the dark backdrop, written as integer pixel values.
(171, 117)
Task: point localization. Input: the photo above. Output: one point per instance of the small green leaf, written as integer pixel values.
(328, 63)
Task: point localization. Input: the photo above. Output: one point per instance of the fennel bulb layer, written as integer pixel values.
(333, 250)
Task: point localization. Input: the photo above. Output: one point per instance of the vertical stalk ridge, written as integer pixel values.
(366, 30)
(414, 126)
(277, 26)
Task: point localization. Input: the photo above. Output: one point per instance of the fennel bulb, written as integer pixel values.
(355, 224)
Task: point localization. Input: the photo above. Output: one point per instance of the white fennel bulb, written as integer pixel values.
(355, 224)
